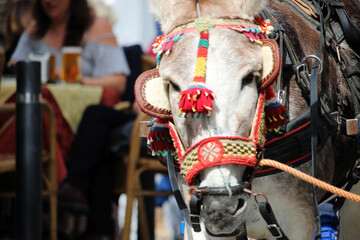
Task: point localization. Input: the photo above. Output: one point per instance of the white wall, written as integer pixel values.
(134, 24)
(131, 20)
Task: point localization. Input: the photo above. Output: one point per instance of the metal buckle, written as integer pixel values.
(316, 58)
(281, 96)
(275, 230)
(304, 66)
(338, 119)
(194, 218)
(195, 222)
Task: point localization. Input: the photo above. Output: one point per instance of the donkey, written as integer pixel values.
(235, 69)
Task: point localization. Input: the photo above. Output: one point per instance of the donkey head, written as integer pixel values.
(220, 66)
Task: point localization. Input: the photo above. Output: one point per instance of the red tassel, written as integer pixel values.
(159, 137)
(196, 100)
(275, 117)
(275, 113)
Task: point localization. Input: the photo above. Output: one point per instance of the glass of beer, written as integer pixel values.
(71, 70)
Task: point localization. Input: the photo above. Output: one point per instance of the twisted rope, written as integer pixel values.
(310, 179)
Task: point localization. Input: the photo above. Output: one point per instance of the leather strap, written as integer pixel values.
(314, 105)
(351, 31)
(175, 188)
(272, 224)
(306, 8)
(242, 236)
(195, 204)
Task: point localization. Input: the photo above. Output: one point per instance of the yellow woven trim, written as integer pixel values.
(239, 149)
(200, 69)
(231, 148)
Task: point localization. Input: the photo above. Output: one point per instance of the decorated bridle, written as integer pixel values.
(198, 99)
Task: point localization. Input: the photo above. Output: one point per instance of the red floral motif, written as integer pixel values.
(210, 152)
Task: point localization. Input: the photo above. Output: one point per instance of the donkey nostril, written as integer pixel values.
(241, 203)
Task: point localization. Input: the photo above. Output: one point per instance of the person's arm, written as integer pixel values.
(22, 50)
(100, 28)
(115, 81)
(23, 47)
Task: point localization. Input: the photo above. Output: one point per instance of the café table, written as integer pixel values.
(68, 101)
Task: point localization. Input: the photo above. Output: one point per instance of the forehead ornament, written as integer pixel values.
(197, 98)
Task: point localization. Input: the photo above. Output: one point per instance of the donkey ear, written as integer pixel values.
(252, 7)
(163, 9)
(158, 9)
(151, 95)
(271, 62)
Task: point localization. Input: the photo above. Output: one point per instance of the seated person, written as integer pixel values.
(89, 179)
(72, 23)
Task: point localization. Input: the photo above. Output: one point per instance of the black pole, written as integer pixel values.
(28, 152)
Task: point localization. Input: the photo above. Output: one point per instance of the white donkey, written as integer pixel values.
(215, 57)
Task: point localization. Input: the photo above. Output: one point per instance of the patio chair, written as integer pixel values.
(137, 163)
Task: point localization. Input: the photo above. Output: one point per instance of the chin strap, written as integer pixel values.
(175, 188)
(195, 204)
(192, 218)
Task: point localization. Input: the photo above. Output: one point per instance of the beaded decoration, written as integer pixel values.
(264, 24)
(164, 44)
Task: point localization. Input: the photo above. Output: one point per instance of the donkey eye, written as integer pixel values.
(174, 87)
(170, 86)
(248, 79)
(251, 77)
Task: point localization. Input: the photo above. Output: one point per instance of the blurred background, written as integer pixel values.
(132, 24)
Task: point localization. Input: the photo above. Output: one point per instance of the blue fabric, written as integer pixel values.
(328, 233)
(163, 185)
(327, 214)
(329, 222)
(98, 59)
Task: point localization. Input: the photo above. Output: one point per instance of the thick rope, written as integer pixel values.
(310, 179)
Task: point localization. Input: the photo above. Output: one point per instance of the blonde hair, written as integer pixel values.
(103, 10)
